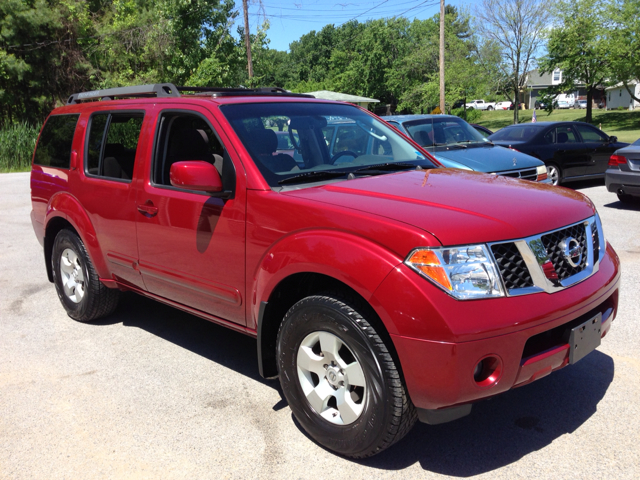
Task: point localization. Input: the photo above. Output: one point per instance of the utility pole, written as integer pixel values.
(247, 40)
(442, 110)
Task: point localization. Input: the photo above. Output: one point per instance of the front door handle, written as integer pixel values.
(148, 208)
(560, 151)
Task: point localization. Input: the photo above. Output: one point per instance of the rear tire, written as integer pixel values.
(339, 378)
(489, 108)
(81, 293)
(624, 198)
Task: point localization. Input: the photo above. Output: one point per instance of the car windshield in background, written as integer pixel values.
(431, 132)
(520, 133)
(324, 141)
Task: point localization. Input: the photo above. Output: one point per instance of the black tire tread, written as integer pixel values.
(404, 414)
(102, 301)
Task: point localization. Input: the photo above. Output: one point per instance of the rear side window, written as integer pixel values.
(112, 143)
(54, 146)
(519, 133)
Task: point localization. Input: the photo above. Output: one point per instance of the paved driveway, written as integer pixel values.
(155, 393)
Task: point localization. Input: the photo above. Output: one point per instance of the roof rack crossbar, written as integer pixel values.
(152, 89)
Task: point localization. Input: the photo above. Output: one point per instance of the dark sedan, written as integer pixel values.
(570, 150)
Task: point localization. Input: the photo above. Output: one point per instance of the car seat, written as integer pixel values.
(563, 137)
(263, 144)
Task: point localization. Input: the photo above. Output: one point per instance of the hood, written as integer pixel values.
(487, 158)
(458, 207)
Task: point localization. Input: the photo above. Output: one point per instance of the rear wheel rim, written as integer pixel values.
(71, 270)
(331, 377)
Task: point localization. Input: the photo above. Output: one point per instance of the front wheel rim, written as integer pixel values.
(554, 175)
(72, 276)
(331, 378)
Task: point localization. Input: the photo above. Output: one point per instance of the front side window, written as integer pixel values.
(590, 134)
(184, 136)
(330, 141)
(112, 142)
(54, 145)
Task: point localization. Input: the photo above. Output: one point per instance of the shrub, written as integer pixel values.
(17, 142)
(472, 114)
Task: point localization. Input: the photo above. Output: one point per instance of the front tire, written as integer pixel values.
(555, 174)
(81, 293)
(339, 378)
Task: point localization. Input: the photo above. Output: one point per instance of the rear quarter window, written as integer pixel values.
(515, 133)
(54, 146)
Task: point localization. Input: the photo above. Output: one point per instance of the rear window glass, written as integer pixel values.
(54, 146)
(520, 133)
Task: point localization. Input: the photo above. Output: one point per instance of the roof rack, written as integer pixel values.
(170, 90)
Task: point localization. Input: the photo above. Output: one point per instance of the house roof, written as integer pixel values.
(342, 97)
(620, 85)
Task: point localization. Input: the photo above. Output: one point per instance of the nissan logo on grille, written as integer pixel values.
(572, 251)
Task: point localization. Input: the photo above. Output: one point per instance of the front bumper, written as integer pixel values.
(440, 345)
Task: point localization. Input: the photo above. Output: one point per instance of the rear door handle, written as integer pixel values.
(148, 208)
(561, 151)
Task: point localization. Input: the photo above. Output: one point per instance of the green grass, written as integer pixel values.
(624, 124)
(17, 142)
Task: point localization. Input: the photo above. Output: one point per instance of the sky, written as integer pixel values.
(291, 19)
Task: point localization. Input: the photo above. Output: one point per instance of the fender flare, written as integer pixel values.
(357, 262)
(64, 205)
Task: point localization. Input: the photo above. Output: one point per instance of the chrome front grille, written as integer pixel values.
(551, 261)
(525, 174)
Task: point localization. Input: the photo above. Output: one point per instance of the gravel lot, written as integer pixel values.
(152, 392)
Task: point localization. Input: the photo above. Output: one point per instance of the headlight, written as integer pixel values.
(541, 171)
(466, 273)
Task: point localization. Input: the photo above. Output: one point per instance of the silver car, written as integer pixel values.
(623, 173)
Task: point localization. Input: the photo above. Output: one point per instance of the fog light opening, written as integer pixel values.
(487, 371)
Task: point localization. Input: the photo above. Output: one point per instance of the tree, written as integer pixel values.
(624, 42)
(516, 28)
(578, 46)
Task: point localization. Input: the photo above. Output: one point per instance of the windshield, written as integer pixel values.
(521, 133)
(318, 142)
(439, 131)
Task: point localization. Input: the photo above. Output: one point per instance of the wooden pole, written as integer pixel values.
(247, 40)
(442, 110)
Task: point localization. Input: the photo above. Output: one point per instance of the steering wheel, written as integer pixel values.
(294, 142)
(340, 154)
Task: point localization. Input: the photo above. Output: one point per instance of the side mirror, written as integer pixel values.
(195, 175)
(613, 139)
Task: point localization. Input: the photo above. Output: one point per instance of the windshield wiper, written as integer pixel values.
(317, 175)
(386, 167)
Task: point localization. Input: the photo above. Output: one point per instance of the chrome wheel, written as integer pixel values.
(72, 276)
(554, 174)
(331, 378)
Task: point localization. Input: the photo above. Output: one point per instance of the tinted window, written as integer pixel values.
(566, 135)
(590, 134)
(54, 146)
(189, 137)
(522, 133)
(112, 143)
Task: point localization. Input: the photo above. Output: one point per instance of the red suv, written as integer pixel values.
(380, 287)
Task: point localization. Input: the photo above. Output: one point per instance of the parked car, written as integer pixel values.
(539, 104)
(380, 291)
(566, 100)
(623, 173)
(521, 106)
(562, 104)
(504, 105)
(484, 131)
(481, 105)
(456, 144)
(570, 150)
(581, 103)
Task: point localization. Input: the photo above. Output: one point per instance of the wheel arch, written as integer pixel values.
(291, 290)
(64, 211)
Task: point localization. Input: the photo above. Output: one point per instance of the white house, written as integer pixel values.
(618, 96)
